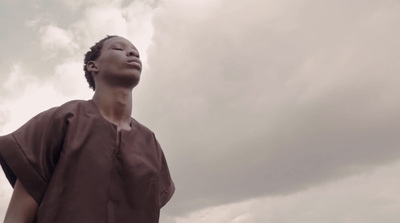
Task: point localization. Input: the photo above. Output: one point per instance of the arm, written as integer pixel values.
(22, 207)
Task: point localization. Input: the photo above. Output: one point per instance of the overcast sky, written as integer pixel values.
(267, 110)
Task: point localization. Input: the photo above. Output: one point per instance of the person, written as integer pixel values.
(89, 161)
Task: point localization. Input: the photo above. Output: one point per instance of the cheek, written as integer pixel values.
(110, 62)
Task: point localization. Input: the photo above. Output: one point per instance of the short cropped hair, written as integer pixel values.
(93, 54)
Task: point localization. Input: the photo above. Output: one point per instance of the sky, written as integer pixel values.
(267, 110)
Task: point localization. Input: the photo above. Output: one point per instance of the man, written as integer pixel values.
(89, 161)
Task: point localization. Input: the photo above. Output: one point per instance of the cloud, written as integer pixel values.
(79, 4)
(368, 198)
(254, 103)
(53, 38)
(55, 60)
(69, 79)
(14, 81)
(62, 46)
(139, 16)
(132, 21)
(35, 98)
(99, 21)
(248, 103)
(11, 88)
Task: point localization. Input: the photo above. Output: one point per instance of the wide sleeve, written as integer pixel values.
(30, 153)
(167, 186)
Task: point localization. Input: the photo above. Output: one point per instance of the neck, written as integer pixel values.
(115, 105)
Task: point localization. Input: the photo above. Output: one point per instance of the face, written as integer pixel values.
(118, 63)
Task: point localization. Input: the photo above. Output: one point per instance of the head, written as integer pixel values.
(110, 54)
(91, 55)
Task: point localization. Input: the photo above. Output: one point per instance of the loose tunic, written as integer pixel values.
(68, 161)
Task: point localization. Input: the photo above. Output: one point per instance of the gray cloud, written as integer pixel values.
(369, 197)
(261, 98)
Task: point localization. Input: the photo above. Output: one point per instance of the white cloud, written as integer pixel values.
(34, 98)
(132, 21)
(12, 87)
(99, 21)
(69, 79)
(27, 95)
(76, 4)
(139, 16)
(53, 38)
(14, 80)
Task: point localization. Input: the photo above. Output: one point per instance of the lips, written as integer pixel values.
(135, 62)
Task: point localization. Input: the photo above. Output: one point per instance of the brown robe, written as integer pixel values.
(68, 160)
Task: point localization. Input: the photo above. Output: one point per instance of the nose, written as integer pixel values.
(133, 53)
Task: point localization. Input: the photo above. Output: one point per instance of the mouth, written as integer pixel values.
(134, 63)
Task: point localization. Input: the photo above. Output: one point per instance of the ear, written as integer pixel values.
(92, 66)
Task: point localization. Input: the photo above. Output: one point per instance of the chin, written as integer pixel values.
(126, 80)
(136, 83)
(131, 81)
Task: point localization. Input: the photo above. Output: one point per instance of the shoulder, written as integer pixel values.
(141, 128)
(59, 113)
(65, 109)
(72, 106)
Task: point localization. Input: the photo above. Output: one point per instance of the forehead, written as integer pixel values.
(118, 41)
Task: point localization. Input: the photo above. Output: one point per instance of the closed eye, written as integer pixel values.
(117, 49)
